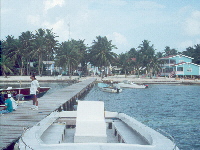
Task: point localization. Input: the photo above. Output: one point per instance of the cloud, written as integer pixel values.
(56, 26)
(48, 4)
(59, 28)
(33, 19)
(192, 24)
(6, 11)
(183, 45)
(188, 43)
(146, 5)
(117, 38)
(117, 2)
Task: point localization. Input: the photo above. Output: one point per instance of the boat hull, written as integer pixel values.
(24, 91)
(111, 90)
(132, 86)
(128, 133)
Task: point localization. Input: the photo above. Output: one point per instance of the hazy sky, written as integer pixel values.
(173, 23)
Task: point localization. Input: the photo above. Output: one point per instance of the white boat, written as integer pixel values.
(112, 89)
(129, 84)
(92, 128)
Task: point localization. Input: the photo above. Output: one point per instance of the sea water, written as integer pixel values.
(172, 108)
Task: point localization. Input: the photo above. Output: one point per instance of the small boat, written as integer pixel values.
(129, 84)
(93, 128)
(107, 88)
(22, 92)
(2, 107)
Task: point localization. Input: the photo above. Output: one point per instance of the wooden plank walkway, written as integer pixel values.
(12, 125)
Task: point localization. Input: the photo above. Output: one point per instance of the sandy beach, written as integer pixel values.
(116, 78)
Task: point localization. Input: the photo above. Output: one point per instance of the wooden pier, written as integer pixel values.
(12, 125)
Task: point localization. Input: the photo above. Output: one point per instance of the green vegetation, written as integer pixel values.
(18, 53)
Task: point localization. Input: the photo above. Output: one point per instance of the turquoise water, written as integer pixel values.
(174, 109)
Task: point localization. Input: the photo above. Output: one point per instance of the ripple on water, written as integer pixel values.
(172, 108)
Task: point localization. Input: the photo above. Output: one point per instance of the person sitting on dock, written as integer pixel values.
(8, 108)
(35, 87)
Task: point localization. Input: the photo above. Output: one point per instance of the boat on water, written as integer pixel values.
(107, 88)
(129, 84)
(19, 93)
(92, 128)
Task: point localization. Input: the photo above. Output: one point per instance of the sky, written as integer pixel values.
(173, 23)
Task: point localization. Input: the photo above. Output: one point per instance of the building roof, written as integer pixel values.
(182, 63)
(173, 56)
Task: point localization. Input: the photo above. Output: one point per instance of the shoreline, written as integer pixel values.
(116, 78)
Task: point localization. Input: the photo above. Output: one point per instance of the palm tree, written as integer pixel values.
(26, 39)
(14, 50)
(83, 56)
(68, 55)
(147, 53)
(45, 46)
(193, 52)
(168, 51)
(138, 62)
(50, 43)
(101, 54)
(6, 64)
(154, 66)
(39, 48)
(124, 62)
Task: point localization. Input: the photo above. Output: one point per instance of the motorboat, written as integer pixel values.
(19, 93)
(107, 88)
(129, 84)
(2, 107)
(90, 127)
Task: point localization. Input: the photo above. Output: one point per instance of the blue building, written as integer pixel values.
(179, 66)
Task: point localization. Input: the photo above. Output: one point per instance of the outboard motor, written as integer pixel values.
(146, 86)
(20, 97)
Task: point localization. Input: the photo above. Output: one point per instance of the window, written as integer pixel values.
(180, 69)
(189, 69)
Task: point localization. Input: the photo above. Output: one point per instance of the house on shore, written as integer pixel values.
(179, 66)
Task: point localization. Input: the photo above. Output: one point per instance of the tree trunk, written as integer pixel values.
(28, 67)
(21, 69)
(40, 63)
(138, 70)
(150, 73)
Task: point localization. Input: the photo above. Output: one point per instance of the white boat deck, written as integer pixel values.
(54, 134)
(102, 131)
(129, 135)
(90, 122)
(69, 136)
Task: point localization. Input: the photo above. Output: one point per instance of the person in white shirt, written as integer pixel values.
(35, 88)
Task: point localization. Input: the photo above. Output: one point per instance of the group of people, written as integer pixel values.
(34, 90)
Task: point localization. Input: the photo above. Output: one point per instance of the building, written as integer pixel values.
(179, 66)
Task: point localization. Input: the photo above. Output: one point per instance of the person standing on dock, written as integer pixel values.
(35, 88)
(8, 108)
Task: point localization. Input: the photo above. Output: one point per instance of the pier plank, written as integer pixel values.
(12, 125)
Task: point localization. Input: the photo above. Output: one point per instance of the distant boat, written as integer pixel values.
(22, 92)
(107, 88)
(93, 128)
(129, 84)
